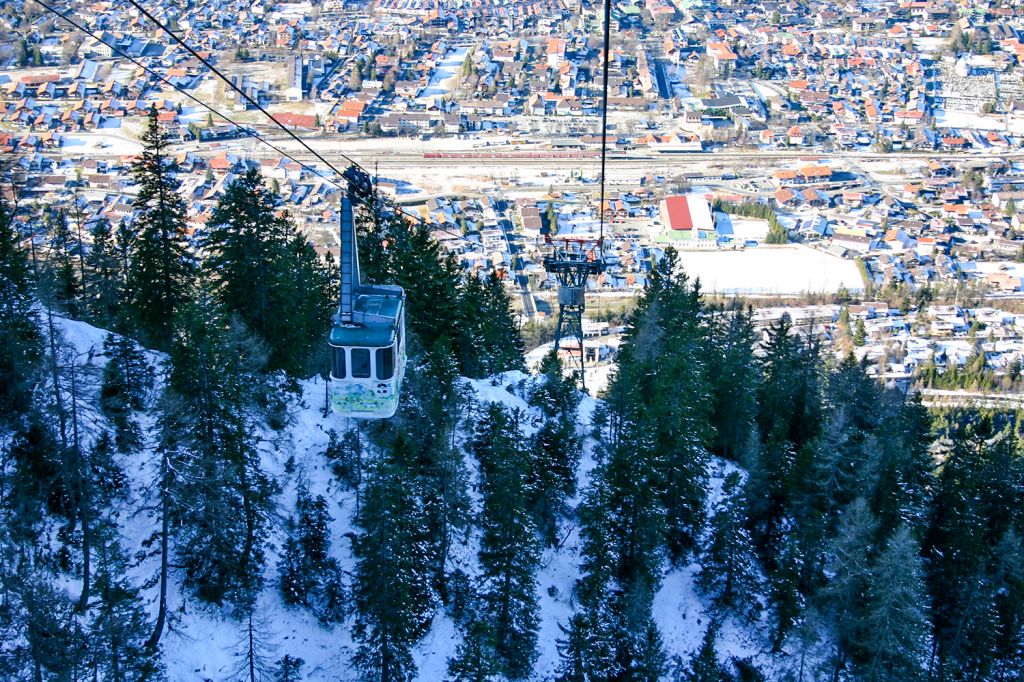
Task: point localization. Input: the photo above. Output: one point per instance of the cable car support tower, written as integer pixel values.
(571, 260)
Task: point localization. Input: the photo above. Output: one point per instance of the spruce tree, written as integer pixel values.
(475, 659)
(508, 547)
(66, 285)
(105, 280)
(734, 383)
(729, 565)
(895, 619)
(391, 586)
(21, 341)
(393, 250)
(161, 275)
(225, 496)
(118, 625)
(267, 274)
(704, 666)
(127, 381)
(586, 650)
(309, 575)
(492, 343)
(660, 399)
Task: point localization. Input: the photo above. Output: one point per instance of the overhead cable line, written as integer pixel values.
(141, 65)
(604, 112)
(225, 117)
(180, 41)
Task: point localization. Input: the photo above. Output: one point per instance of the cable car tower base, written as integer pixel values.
(572, 263)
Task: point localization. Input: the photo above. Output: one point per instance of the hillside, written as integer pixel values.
(204, 642)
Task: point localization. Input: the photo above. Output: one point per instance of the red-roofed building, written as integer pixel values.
(296, 120)
(688, 216)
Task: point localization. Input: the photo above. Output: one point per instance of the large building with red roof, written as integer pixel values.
(688, 216)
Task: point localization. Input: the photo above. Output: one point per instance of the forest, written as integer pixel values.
(832, 528)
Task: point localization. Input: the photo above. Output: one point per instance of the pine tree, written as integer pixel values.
(309, 575)
(289, 669)
(978, 498)
(555, 453)
(859, 333)
(267, 274)
(508, 547)
(435, 400)
(162, 269)
(729, 566)
(252, 651)
(895, 620)
(391, 586)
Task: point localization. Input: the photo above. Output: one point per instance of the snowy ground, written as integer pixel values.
(972, 121)
(771, 270)
(108, 144)
(202, 641)
(442, 80)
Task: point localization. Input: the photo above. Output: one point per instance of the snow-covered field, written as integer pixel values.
(972, 121)
(771, 270)
(108, 144)
(441, 82)
(202, 643)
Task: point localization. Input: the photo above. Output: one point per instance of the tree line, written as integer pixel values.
(239, 313)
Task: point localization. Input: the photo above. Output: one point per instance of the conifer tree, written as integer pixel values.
(734, 383)
(704, 666)
(660, 398)
(267, 274)
(54, 642)
(66, 286)
(492, 341)
(475, 659)
(978, 498)
(391, 585)
(21, 342)
(895, 618)
(729, 566)
(844, 596)
(508, 546)
(118, 625)
(225, 497)
(162, 269)
(309, 575)
(586, 651)
(127, 380)
(105, 279)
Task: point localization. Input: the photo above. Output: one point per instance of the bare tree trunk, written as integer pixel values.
(82, 476)
(165, 492)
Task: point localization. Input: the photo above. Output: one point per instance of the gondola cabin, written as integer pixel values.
(367, 341)
(368, 355)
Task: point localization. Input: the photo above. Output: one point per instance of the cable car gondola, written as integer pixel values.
(367, 340)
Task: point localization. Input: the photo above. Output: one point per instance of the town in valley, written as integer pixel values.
(857, 166)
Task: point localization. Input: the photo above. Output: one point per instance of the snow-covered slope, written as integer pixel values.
(203, 643)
